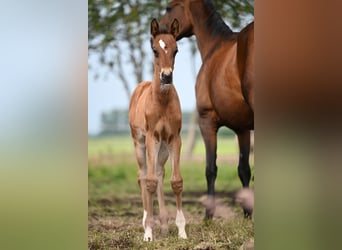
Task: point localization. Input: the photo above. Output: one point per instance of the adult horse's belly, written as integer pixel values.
(218, 88)
(233, 111)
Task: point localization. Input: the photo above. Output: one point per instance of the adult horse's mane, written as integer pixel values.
(216, 28)
(215, 22)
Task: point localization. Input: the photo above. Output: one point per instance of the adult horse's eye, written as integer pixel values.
(168, 9)
(175, 53)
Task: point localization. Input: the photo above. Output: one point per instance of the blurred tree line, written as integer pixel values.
(116, 122)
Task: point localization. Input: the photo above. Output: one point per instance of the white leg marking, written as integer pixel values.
(144, 218)
(148, 234)
(180, 222)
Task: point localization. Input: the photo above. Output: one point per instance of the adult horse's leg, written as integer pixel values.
(163, 215)
(209, 131)
(177, 183)
(151, 182)
(244, 169)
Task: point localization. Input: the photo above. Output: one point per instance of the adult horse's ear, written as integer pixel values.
(154, 27)
(174, 29)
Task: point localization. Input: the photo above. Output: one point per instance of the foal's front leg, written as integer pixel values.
(153, 147)
(163, 215)
(177, 184)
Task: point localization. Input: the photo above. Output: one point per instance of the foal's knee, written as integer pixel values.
(177, 186)
(151, 184)
(141, 181)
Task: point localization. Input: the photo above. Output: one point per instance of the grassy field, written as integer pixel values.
(122, 144)
(115, 209)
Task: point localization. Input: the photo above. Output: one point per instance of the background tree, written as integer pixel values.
(117, 33)
(119, 30)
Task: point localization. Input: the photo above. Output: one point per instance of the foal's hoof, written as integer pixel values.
(182, 235)
(164, 231)
(148, 234)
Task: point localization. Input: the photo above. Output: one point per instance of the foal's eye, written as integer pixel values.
(168, 9)
(156, 54)
(175, 53)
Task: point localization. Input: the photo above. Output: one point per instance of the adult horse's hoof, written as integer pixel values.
(245, 197)
(210, 207)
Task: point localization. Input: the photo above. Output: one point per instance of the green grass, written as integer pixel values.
(122, 144)
(115, 209)
(123, 178)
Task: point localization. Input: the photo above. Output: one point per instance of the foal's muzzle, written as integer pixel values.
(166, 78)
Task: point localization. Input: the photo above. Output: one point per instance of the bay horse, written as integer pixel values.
(224, 84)
(155, 119)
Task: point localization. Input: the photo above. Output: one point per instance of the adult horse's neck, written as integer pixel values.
(208, 27)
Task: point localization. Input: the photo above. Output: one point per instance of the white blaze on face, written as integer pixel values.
(162, 45)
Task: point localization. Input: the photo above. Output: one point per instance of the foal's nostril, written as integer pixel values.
(166, 78)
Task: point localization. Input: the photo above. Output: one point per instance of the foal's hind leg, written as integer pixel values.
(177, 183)
(140, 154)
(244, 168)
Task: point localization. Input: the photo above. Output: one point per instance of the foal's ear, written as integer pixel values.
(174, 29)
(154, 27)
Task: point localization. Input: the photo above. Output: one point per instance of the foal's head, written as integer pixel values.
(164, 47)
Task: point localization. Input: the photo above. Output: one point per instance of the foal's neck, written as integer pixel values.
(161, 94)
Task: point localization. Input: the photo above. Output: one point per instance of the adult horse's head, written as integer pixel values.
(180, 10)
(164, 46)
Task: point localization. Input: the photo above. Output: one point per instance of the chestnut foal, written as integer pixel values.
(155, 119)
